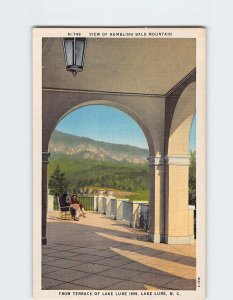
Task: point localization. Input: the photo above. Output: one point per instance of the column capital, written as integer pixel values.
(45, 157)
(178, 160)
(155, 161)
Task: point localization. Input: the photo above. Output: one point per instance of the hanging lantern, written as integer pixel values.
(74, 49)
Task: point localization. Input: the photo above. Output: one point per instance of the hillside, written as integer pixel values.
(85, 148)
(104, 165)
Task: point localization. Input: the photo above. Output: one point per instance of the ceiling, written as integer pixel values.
(150, 66)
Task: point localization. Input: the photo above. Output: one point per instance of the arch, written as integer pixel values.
(178, 143)
(178, 216)
(58, 103)
(129, 111)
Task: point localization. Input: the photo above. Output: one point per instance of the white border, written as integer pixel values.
(199, 34)
(17, 19)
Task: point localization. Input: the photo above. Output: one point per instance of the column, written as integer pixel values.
(177, 229)
(119, 209)
(134, 215)
(108, 205)
(191, 222)
(95, 205)
(157, 199)
(100, 207)
(109, 197)
(45, 157)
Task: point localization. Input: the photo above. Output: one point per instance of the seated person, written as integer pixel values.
(78, 204)
(73, 210)
(73, 199)
(81, 207)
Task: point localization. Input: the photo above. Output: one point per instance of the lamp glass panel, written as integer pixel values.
(79, 50)
(69, 48)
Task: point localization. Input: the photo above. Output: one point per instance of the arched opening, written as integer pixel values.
(70, 101)
(100, 147)
(66, 107)
(181, 122)
(179, 214)
(192, 171)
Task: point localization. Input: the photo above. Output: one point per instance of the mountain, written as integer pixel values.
(89, 163)
(76, 147)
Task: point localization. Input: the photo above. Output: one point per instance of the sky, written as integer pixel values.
(108, 124)
(192, 137)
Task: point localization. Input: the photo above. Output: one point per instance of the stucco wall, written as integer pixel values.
(148, 112)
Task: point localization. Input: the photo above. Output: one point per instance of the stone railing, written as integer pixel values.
(134, 213)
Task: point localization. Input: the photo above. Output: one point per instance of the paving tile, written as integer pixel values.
(61, 254)
(87, 247)
(105, 246)
(91, 268)
(49, 269)
(131, 285)
(96, 282)
(48, 251)
(112, 262)
(65, 263)
(170, 271)
(129, 247)
(120, 273)
(181, 284)
(136, 266)
(82, 250)
(149, 252)
(82, 258)
(188, 261)
(49, 282)
(62, 247)
(168, 256)
(130, 254)
(46, 258)
(190, 275)
(66, 275)
(187, 250)
(153, 279)
(69, 286)
(49, 246)
(104, 253)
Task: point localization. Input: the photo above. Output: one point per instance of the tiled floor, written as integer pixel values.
(100, 253)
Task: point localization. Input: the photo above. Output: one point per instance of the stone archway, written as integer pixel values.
(165, 123)
(126, 109)
(72, 101)
(179, 218)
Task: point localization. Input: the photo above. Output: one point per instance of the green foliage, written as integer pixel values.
(82, 173)
(192, 178)
(131, 180)
(140, 196)
(108, 174)
(58, 183)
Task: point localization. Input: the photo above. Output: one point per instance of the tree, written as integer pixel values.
(58, 183)
(192, 178)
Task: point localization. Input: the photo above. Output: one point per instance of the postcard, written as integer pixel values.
(119, 163)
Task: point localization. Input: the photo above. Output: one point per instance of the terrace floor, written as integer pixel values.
(99, 253)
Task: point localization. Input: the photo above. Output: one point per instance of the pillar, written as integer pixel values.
(108, 205)
(134, 215)
(45, 157)
(119, 209)
(177, 229)
(100, 206)
(157, 199)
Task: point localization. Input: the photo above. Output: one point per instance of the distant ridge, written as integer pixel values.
(86, 148)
